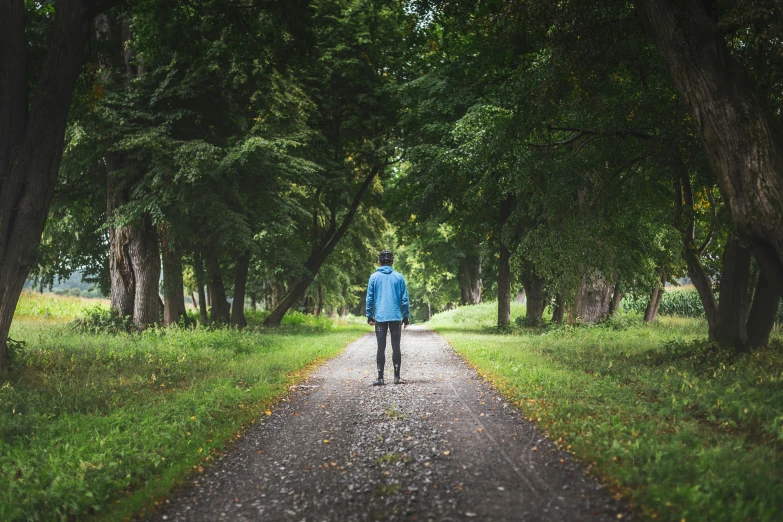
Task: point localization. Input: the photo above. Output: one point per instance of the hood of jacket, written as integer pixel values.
(385, 269)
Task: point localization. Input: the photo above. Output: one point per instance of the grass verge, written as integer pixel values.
(680, 429)
(101, 426)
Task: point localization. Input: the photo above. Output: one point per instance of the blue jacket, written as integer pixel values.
(387, 296)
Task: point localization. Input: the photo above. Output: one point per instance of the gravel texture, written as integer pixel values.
(443, 446)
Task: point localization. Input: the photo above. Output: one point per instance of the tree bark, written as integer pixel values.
(198, 268)
(320, 254)
(193, 301)
(123, 281)
(470, 280)
(240, 284)
(559, 311)
(617, 297)
(319, 299)
(31, 138)
(763, 312)
(733, 120)
(217, 291)
(653, 304)
(173, 285)
(145, 260)
(733, 305)
(504, 269)
(536, 297)
(593, 298)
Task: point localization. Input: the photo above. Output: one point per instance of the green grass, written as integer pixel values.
(52, 307)
(101, 426)
(677, 427)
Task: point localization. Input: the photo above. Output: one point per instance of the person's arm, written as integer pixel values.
(405, 305)
(370, 302)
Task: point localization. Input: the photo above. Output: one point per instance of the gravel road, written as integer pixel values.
(444, 446)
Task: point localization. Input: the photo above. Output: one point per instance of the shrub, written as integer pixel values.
(97, 319)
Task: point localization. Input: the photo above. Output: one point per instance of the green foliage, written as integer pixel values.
(681, 302)
(101, 424)
(676, 426)
(99, 319)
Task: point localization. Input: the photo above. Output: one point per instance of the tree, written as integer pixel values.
(32, 130)
(740, 137)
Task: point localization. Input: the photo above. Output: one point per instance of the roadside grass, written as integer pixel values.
(680, 429)
(102, 426)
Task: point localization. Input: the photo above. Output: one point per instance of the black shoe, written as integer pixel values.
(379, 382)
(397, 380)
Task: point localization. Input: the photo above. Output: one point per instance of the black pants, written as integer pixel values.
(395, 328)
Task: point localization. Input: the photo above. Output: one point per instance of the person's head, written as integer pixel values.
(385, 258)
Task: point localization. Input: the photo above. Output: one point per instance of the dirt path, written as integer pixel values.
(443, 447)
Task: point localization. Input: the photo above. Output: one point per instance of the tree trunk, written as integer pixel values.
(429, 311)
(559, 311)
(320, 254)
(253, 301)
(504, 270)
(123, 282)
(536, 297)
(733, 306)
(520, 298)
(763, 312)
(617, 297)
(594, 298)
(653, 304)
(217, 292)
(173, 285)
(198, 268)
(733, 120)
(193, 301)
(470, 280)
(319, 299)
(145, 260)
(31, 138)
(240, 284)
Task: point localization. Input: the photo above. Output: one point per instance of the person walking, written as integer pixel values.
(388, 309)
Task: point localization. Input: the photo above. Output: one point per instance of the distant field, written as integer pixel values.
(52, 306)
(674, 425)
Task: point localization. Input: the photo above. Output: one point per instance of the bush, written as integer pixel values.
(15, 350)
(97, 319)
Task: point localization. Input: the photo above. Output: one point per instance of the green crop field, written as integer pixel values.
(682, 429)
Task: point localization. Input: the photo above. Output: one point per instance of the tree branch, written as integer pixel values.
(585, 132)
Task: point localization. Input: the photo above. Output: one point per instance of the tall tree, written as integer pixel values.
(32, 130)
(733, 118)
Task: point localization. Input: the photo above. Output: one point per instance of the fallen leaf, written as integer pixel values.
(326, 441)
(534, 448)
(447, 452)
(469, 514)
(268, 412)
(193, 418)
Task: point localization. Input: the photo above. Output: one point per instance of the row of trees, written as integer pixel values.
(578, 152)
(240, 148)
(573, 150)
